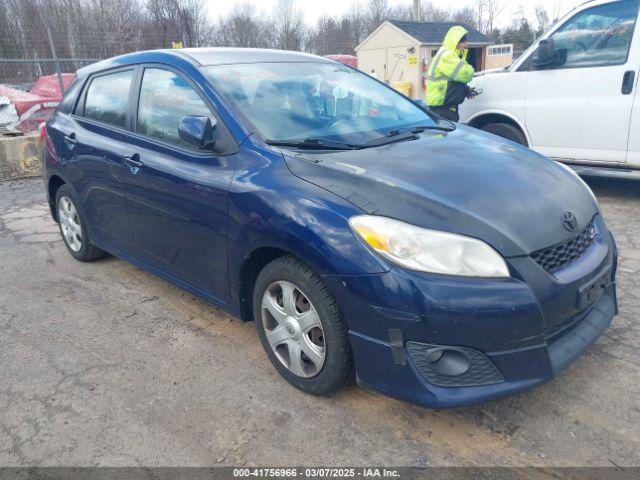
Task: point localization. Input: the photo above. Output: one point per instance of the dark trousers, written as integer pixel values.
(448, 113)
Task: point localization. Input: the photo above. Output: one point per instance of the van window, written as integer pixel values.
(164, 99)
(598, 36)
(107, 98)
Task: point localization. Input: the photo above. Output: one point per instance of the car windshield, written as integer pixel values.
(297, 101)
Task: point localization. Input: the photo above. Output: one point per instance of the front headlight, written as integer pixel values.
(431, 251)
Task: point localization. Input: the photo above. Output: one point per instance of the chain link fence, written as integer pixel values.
(38, 65)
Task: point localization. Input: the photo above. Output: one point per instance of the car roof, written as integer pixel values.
(204, 56)
(224, 56)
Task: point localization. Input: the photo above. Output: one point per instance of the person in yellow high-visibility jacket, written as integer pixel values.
(449, 74)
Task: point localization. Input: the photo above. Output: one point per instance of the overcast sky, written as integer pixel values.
(313, 9)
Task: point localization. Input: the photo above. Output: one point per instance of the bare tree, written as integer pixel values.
(104, 28)
(519, 15)
(465, 15)
(487, 13)
(378, 12)
(358, 23)
(542, 17)
(556, 11)
(244, 27)
(331, 36)
(289, 25)
(179, 20)
(430, 13)
(493, 9)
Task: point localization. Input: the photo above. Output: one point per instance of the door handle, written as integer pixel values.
(70, 139)
(628, 82)
(133, 162)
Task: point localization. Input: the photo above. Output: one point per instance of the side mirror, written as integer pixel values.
(198, 131)
(546, 54)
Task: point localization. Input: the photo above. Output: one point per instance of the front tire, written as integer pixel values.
(301, 327)
(507, 131)
(73, 227)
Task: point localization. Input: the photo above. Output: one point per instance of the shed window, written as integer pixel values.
(500, 50)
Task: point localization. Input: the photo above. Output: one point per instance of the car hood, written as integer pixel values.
(467, 182)
(492, 71)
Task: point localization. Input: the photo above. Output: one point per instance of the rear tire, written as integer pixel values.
(73, 227)
(507, 131)
(301, 327)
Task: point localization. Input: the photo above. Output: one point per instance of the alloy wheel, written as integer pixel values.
(70, 224)
(293, 329)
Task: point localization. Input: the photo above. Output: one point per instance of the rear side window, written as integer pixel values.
(164, 99)
(107, 98)
(70, 96)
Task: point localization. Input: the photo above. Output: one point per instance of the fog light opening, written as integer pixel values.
(449, 362)
(435, 355)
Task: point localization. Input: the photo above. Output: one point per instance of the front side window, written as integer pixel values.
(165, 98)
(598, 36)
(293, 101)
(107, 98)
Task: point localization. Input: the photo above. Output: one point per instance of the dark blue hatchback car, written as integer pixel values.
(439, 264)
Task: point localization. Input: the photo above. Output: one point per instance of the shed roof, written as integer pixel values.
(433, 33)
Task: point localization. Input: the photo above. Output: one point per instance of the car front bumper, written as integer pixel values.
(515, 333)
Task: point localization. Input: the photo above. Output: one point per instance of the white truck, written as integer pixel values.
(573, 94)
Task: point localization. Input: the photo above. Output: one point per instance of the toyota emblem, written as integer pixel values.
(569, 221)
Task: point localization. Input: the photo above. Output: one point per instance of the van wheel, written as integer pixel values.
(301, 327)
(73, 228)
(507, 131)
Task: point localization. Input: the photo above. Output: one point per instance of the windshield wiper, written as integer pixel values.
(392, 137)
(314, 143)
(444, 125)
(409, 133)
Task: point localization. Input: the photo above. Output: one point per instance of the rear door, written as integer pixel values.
(89, 145)
(581, 110)
(177, 195)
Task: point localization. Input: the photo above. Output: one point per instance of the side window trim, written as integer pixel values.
(527, 64)
(78, 110)
(135, 102)
(72, 95)
(133, 99)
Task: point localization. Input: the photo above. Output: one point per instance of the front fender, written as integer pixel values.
(314, 233)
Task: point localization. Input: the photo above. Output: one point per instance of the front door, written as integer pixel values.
(633, 151)
(580, 109)
(177, 195)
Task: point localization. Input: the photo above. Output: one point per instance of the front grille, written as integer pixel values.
(556, 257)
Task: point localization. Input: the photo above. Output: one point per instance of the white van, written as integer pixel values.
(573, 95)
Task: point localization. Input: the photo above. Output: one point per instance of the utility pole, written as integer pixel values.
(415, 11)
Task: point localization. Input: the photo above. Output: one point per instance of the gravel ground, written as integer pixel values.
(104, 364)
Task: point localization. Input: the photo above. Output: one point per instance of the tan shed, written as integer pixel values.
(499, 56)
(399, 52)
